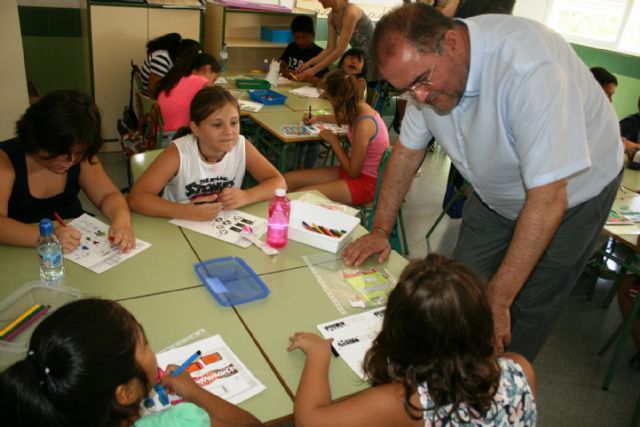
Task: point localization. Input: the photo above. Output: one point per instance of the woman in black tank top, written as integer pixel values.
(45, 166)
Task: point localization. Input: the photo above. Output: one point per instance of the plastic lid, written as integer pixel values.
(46, 227)
(231, 281)
(281, 192)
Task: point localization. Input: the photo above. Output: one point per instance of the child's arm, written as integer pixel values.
(145, 194)
(331, 45)
(324, 118)
(264, 172)
(377, 406)
(323, 60)
(352, 163)
(221, 412)
(100, 189)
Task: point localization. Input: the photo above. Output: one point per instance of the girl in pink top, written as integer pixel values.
(354, 181)
(177, 89)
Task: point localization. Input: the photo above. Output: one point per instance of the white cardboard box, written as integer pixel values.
(314, 214)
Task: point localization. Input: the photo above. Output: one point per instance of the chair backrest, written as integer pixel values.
(138, 163)
(151, 122)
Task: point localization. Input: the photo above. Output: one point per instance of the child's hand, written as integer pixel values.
(181, 384)
(121, 233)
(203, 208)
(69, 238)
(329, 136)
(309, 343)
(233, 198)
(304, 75)
(308, 119)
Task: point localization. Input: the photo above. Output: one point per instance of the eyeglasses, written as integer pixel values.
(426, 81)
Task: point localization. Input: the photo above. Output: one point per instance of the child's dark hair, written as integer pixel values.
(184, 67)
(302, 24)
(208, 100)
(186, 47)
(168, 42)
(342, 89)
(60, 121)
(438, 331)
(603, 76)
(357, 53)
(77, 358)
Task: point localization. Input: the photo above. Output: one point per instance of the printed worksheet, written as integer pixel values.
(217, 370)
(353, 336)
(228, 226)
(95, 251)
(307, 92)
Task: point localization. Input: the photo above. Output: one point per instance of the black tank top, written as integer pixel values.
(26, 208)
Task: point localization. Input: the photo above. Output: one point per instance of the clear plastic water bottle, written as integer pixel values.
(265, 66)
(278, 224)
(50, 254)
(224, 55)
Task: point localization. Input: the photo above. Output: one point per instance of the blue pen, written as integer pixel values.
(186, 363)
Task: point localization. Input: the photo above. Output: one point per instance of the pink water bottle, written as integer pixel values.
(278, 225)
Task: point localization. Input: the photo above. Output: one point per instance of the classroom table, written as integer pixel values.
(298, 303)
(181, 313)
(631, 179)
(166, 265)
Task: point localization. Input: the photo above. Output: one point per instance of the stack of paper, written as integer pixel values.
(307, 92)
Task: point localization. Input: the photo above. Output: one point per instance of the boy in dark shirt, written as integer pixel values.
(301, 49)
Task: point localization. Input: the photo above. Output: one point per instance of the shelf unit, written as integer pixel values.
(240, 30)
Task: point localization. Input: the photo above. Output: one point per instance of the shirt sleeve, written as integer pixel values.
(414, 132)
(181, 415)
(160, 63)
(546, 119)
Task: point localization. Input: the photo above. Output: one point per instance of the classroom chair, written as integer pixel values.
(621, 256)
(397, 239)
(620, 334)
(139, 162)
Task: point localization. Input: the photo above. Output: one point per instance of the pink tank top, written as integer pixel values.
(377, 144)
(175, 107)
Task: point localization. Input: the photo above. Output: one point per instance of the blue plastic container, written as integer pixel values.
(276, 34)
(231, 281)
(267, 96)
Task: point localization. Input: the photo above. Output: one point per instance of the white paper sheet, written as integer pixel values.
(221, 80)
(307, 92)
(353, 336)
(95, 252)
(249, 106)
(218, 370)
(227, 226)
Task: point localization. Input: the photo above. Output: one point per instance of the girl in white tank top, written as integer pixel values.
(201, 173)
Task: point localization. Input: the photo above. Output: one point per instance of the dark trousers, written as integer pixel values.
(483, 242)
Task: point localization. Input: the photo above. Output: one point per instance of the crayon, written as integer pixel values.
(26, 324)
(59, 219)
(20, 318)
(186, 363)
(325, 231)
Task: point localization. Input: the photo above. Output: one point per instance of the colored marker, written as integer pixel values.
(162, 394)
(186, 363)
(59, 219)
(26, 324)
(20, 318)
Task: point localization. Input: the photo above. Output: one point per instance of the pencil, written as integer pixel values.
(20, 319)
(59, 219)
(309, 113)
(26, 324)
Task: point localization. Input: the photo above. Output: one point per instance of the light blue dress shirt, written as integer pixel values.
(531, 114)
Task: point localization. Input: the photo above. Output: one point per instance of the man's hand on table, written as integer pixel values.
(376, 242)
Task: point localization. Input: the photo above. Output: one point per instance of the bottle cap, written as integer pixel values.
(46, 227)
(281, 192)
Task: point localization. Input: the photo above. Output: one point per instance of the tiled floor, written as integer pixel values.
(568, 369)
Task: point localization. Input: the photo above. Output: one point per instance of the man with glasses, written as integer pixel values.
(526, 124)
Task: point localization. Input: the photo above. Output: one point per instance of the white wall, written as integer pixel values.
(13, 84)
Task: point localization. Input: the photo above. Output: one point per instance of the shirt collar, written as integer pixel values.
(476, 49)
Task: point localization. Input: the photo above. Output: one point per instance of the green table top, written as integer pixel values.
(166, 265)
(172, 316)
(298, 303)
(272, 122)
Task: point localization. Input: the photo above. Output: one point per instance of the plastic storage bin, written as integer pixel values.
(313, 214)
(276, 34)
(18, 302)
(267, 97)
(252, 84)
(231, 281)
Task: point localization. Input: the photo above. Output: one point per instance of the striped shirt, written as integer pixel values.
(159, 62)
